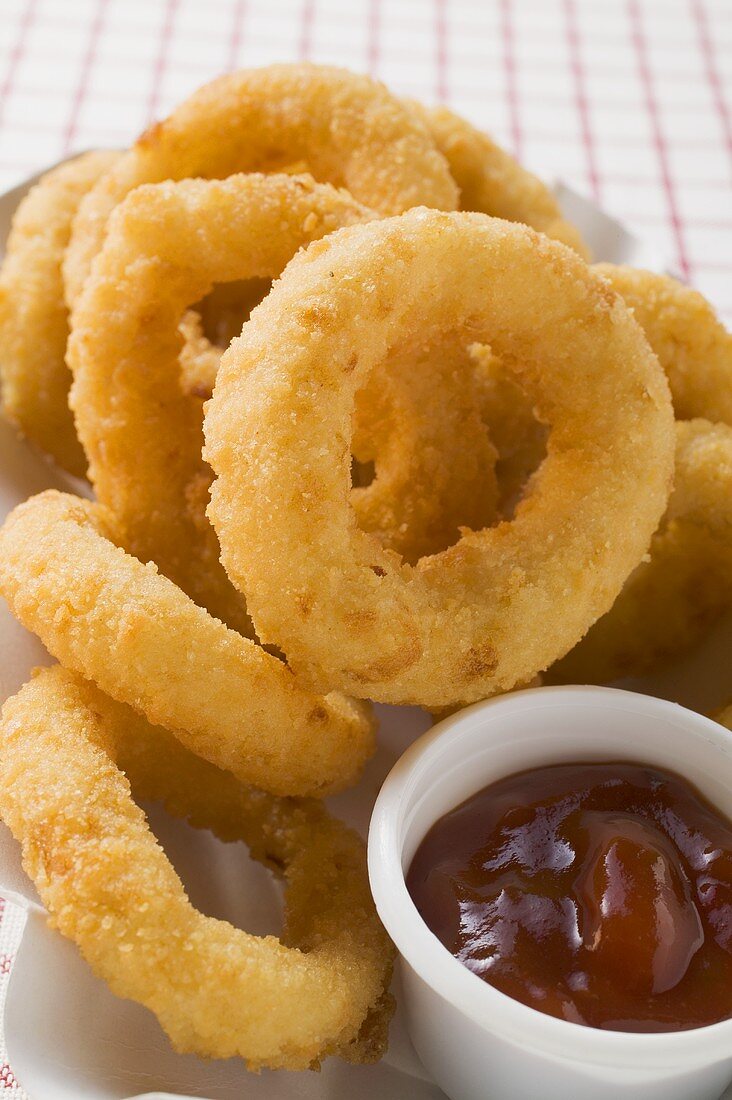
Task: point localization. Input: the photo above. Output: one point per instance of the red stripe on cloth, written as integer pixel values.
(306, 30)
(374, 36)
(237, 25)
(86, 68)
(17, 52)
(580, 90)
(441, 88)
(161, 61)
(710, 65)
(509, 70)
(7, 1077)
(659, 141)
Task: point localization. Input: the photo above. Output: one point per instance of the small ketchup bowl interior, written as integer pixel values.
(598, 893)
(523, 1048)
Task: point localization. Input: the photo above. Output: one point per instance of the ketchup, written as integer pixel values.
(598, 893)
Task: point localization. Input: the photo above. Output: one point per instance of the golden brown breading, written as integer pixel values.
(134, 633)
(217, 991)
(345, 129)
(167, 245)
(686, 582)
(34, 322)
(492, 182)
(692, 345)
(504, 602)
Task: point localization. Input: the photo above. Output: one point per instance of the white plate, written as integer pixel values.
(68, 1037)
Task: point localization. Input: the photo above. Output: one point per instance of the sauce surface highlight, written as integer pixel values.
(598, 893)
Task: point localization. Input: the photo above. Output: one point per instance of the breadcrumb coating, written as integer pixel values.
(34, 321)
(121, 624)
(344, 129)
(505, 602)
(218, 991)
(685, 583)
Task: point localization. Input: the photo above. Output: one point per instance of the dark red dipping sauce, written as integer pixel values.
(598, 893)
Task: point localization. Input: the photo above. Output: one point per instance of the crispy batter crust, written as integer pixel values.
(684, 585)
(418, 418)
(217, 991)
(34, 323)
(492, 182)
(167, 245)
(692, 345)
(425, 463)
(345, 129)
(504, 602)
(134, 633)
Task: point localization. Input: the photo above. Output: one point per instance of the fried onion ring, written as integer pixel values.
(685, 584)
(121, 624)
(345, 129)
(692, 345)
(418, 419)
(108, 886)
(424, 463)
(33, 317)
(504, 602)
(167, 245)
(684, 587)
(492, 182)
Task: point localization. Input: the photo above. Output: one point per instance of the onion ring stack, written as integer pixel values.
(166, 246)
(345, 129)
(438, 453)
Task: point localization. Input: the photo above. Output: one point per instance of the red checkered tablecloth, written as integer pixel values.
(629, 101)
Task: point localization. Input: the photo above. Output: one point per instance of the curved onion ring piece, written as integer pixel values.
(692, 345)
(492, 182)
(685, 584)
(217, 991)
(345, 129)
(503, 602)
(138, 637)
(167, 245)
(34, 323)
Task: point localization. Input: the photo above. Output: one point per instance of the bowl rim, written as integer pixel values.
(495, 1012)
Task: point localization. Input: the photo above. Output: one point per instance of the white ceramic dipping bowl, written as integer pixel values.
(477, 1043)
